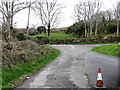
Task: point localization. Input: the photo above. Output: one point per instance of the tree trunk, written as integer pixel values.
(96, 29)
(28, 19)
(11, 20)
(88, 33)
(91, 29)
(85, 30)
(8, 29)
(117, 27)
(49, 29)
(11, 24)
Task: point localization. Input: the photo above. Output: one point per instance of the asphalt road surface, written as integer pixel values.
(71, 68)
(109, 66)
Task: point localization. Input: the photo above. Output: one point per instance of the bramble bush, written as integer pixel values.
(21, 36)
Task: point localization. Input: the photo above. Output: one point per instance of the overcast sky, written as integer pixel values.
(67, 20)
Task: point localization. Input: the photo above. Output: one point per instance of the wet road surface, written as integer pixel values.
(73, 68)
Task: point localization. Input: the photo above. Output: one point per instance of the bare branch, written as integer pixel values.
(49, 12)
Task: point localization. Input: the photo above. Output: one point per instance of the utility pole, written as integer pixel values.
(28, 17)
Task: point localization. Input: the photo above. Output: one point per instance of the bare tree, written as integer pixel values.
(86, 11)
(9, 8)
(117, 16)
(98, 18)
(28, 17)
(109, 14)
(49, 12)
(81, 14)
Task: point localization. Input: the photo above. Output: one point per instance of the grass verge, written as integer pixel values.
(13, 76)
(111, 50)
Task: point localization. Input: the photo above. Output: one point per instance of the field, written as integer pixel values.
(54, 36)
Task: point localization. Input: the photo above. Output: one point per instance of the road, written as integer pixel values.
(69, 71)
(109, 66)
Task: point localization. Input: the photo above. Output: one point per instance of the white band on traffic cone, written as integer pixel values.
(99, 77)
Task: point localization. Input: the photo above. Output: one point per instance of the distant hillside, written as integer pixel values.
(31, 31)
(59, 29)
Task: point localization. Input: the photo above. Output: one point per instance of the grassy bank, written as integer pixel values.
(107, 49)
(12, 76)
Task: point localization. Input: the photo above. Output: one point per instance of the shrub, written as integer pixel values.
(33, 31)
(111, 27)
(21, 36)
(41, 29)
(77, 29)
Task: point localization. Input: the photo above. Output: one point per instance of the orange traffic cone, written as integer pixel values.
(99, 82)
